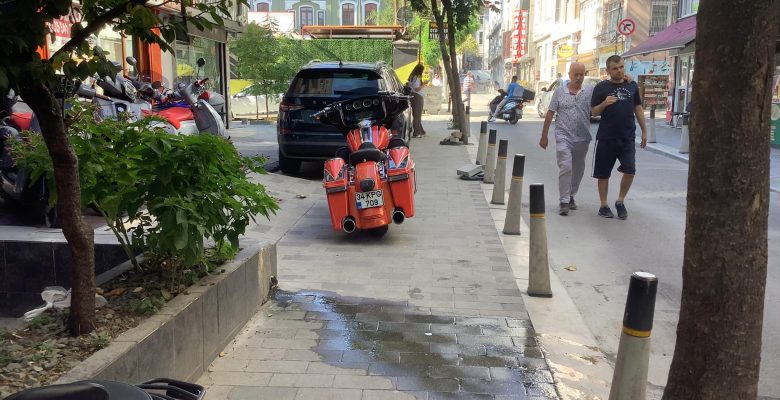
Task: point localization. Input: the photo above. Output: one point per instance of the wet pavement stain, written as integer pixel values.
(422, 354)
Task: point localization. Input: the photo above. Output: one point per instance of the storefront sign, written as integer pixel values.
(60, 28)
(774, 137)
(565, 51)
(636, 68)
(519, 35)
(433, 31)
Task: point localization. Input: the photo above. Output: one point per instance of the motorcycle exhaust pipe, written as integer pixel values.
(349, 225)
(398, 217)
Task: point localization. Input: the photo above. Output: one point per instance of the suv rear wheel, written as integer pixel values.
(289, 166)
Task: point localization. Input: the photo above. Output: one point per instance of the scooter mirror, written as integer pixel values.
(131, 60)
(156, 84)
(201, 62)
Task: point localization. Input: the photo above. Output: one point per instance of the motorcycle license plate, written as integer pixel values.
(507, 116)
(370, 199)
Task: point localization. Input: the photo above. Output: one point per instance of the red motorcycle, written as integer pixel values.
(372, 181)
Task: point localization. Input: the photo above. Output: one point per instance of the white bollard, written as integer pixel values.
(629, 381)
(538, 268)
(483, 139)
(684, 136)
(514, 205)
(651, 133)
(499, 189)
(490, 163)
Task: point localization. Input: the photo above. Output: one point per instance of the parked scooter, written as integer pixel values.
(512, 110)
(197, 116)
(372, 182)
(15, 183)
(155, 389)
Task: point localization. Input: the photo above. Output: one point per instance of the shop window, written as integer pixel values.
(320, 17)
(263, 7)
(306, 15)
(370, 12)
(347, 14)
(186, 62)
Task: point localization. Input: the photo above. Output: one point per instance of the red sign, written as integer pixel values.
(626, 26)
(519, 35)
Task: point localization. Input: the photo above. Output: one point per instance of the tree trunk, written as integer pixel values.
(452, 75)
(718, 349)
(458, 108)
(78, 233)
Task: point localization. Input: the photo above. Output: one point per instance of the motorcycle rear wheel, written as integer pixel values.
(379, 232)
(514, 118)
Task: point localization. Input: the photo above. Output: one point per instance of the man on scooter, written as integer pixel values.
(513, 90)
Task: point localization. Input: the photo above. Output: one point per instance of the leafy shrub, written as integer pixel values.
(194, 188)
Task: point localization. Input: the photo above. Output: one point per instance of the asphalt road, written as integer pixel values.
(606, 251)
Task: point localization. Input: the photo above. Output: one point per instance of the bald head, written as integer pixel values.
(576, 74)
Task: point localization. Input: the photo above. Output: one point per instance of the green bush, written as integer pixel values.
(194, 188)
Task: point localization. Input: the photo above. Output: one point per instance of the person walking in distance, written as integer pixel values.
(571, 103)
(418, 102)
(620, 106)
(468, 86)
(513, 90)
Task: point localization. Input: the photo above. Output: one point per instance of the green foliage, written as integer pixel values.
(259, 54)
(5, 352)
(195, 188)
(146, 305)
(41, 321)
(99, 340)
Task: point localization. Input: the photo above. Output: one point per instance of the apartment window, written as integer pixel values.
(480, 38)
(689, 7)
(347, 14)
(659, 17)
(306, 16)
(263, 7)
(370, 13)
(558, 10)
(320, 17)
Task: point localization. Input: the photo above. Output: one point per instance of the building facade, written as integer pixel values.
(326, 12)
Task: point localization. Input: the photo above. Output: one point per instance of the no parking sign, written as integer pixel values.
(626, 26)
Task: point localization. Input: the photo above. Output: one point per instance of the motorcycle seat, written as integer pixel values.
(174, 115)
(71, 391)
(367, 152)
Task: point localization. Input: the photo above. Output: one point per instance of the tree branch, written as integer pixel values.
(95, 26)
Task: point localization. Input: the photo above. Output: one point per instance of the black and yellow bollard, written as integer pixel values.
(629, 381)
(499, 189)
(483, 140)
(514, 205)
(490, 163)
(538, 268)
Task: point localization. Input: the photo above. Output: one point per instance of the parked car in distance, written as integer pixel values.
(546, 93)
(245, 105)
(316, 85)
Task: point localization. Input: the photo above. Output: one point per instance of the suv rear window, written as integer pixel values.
(317, 83)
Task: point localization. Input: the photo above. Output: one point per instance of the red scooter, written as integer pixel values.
(372, 181)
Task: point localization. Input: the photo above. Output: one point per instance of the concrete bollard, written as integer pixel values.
(500, 175)
(684, 136)
(538, 269)
(514, 205)
(651, 128)
(629, 381)
(482, 149)
(490, 163)
(467, 128)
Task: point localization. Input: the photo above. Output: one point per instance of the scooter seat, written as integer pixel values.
(21, 120)
(175, 115)
(71, 391)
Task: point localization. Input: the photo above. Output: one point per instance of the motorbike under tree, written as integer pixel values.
(372, 181)
(16, 184)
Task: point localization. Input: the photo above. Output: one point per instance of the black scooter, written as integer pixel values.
(155, 389)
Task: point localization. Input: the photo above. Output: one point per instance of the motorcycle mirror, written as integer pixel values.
(544, 89)
(156, 84)
(201, 62)
(131, 60)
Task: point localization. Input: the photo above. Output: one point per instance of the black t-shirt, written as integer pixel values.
(617, 120)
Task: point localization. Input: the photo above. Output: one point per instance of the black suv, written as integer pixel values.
(316, 85)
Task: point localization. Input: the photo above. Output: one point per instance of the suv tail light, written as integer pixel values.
(285, 106)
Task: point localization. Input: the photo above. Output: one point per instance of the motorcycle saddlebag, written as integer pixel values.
(401, 175)
(336, 183)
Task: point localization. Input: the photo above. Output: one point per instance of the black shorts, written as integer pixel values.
(609, 150)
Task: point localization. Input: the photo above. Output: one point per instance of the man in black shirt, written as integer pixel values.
(619, 104)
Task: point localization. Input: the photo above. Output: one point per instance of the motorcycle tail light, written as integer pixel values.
(285, 106)
(399, 166)
(330, 178)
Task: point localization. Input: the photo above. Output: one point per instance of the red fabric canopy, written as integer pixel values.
(675, 36)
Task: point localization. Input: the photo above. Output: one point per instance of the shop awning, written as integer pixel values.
(675, 36)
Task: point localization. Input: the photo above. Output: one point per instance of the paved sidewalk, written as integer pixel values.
(668, 143)
(430, 311)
